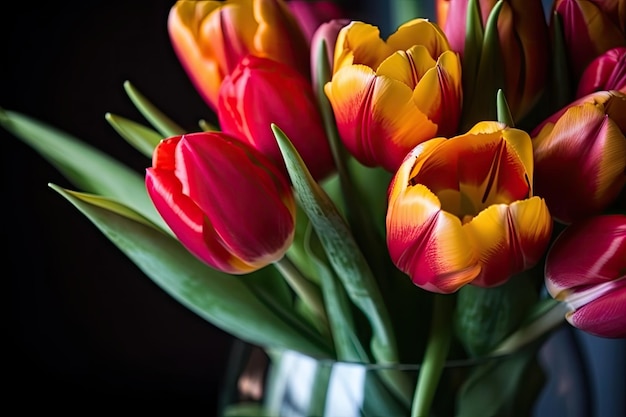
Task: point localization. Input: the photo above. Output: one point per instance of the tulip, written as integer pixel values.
(225, 202)
(524, 46)
(588, 32)
(586, 268)
(462, 210)
(388, 96)
(606, 72)
(311, 14)
(580, 156)
(260, 92)
(211, 37)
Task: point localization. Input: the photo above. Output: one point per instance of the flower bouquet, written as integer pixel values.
(410, 200)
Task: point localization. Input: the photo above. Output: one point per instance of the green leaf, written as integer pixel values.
(504, 386)
(160, 121)
(139, 136)
(347, 343)
(85, 166)
(561, 78)
(245, 410)
(345, 257)
(504, 112)
(486, 316)
(230, 302)
(489, 76)
(471, 50)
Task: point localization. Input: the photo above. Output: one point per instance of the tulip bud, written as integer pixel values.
(260, 92)
(580, 156)
(225, 202)
(606, 72)
(585, 268)
(462, 210)
(388, 96)
(211, 37)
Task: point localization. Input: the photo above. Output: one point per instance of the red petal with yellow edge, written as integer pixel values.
(604, 316)
(189, 223)
(509, 239)
(427, 243)
(580, 163)
(484, 167)
(376, 117)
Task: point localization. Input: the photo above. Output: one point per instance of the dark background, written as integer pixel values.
(84, 325)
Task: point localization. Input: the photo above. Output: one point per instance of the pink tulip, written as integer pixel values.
(311, 14)
(606, 72)
(580, 156)
(586, 268)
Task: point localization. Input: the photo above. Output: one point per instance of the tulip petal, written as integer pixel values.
(213, 171)
(509, 239)
(376, 117)
(189, 222)
(595, 264)
(407, 66)
(604, 316)
(581, 159)
(429, 244)
(360, 43)
(419, 31)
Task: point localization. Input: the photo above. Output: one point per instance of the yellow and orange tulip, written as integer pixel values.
(462, 210)
(211, 37)
(580, 156)
(388, 96)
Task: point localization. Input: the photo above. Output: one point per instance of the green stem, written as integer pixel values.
(310, 293)
(435, 355)
(545, 322)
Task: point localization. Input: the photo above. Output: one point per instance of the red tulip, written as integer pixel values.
(586, 268)
(606, 72)
(260, 92)
(211, 37)
(462, 210)
(580, 156)
(226, 203)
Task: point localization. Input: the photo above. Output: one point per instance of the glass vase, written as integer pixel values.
(545, 379)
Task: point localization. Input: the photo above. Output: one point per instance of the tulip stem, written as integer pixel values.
(550, 315)
(435, 356)
(310, 294)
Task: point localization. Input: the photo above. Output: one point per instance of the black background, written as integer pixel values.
(84, 325)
